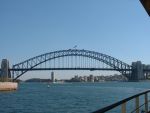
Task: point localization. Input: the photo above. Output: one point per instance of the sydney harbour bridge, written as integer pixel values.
(75, 59)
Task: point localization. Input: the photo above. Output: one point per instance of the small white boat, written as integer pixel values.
(48, 85)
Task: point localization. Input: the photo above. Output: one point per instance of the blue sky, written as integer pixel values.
(120, 28)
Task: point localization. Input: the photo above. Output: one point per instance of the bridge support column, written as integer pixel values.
(137, 71)
(5, 73)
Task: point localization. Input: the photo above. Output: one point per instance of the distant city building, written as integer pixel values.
(85, 78)
(147, 74)
(52, 77)
(102, 78)
(76, 77)
(91, 78)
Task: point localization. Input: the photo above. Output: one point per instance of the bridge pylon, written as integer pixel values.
(137, 71)
(5, 74)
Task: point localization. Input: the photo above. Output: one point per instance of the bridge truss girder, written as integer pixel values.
(32, 63)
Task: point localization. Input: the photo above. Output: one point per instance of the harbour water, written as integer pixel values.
(67, 97)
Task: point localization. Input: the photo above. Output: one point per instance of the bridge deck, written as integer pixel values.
(91, 69)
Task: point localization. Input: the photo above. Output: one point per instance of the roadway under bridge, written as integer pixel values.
(74, 59)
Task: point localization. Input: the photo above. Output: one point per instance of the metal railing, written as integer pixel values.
(123, 104)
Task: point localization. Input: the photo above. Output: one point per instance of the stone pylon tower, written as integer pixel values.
(5, 73)
(137, 72)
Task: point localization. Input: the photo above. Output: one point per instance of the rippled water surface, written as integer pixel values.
(67, 97)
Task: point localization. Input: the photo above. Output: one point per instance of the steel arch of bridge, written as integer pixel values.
(30, 64)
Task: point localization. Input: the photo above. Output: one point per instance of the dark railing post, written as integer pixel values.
(146, 102)
(123, 108)
(137, 104)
